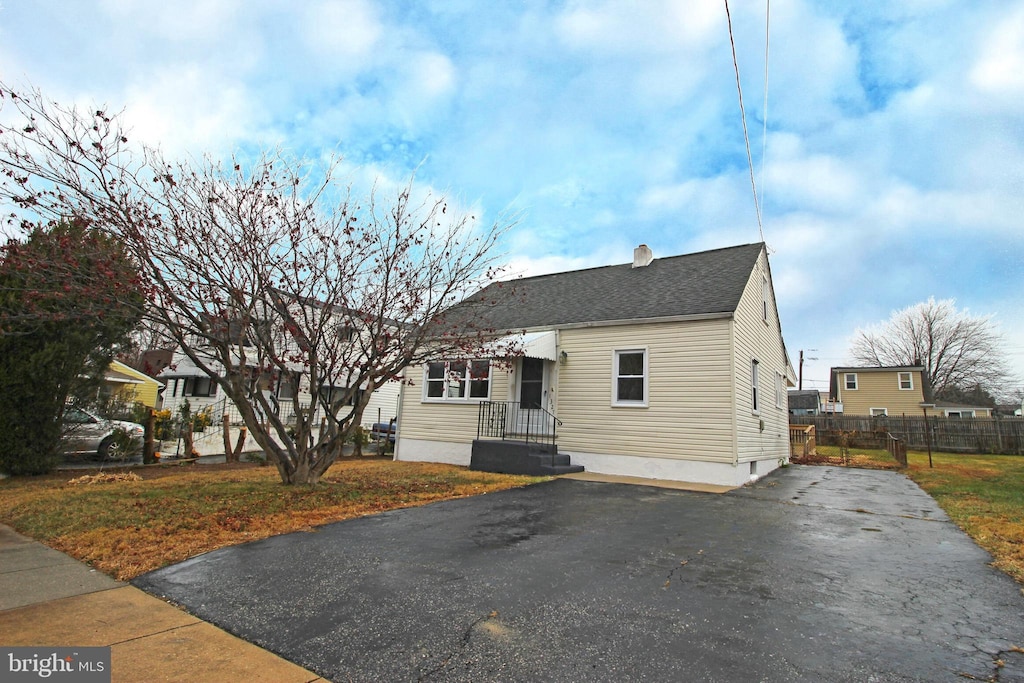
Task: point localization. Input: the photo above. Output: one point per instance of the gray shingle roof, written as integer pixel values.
(692, 284)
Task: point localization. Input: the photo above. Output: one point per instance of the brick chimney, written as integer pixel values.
(642, 256)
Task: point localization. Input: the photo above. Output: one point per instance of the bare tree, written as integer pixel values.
(958, 350)
(263, 271)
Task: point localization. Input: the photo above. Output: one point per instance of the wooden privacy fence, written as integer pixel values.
(957, 435)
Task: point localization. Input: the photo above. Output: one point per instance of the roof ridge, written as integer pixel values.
(629, 264)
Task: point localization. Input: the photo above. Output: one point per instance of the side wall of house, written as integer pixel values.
(688, 415)
(763, 434)
(881, 389)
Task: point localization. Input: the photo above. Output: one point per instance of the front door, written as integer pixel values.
(532, 417)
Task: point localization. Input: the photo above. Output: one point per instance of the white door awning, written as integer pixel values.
(534, 344)
(541, 345)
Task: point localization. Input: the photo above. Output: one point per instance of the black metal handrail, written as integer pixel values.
(510, 421)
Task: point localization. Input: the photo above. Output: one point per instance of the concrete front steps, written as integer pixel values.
(520, 457)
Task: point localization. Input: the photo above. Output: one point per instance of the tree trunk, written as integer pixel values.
(236, 454)
(190, 449)
(226, 431)
(148, 445)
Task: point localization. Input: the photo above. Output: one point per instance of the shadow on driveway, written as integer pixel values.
(812, 574)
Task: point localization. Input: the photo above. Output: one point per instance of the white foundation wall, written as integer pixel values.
(421, 450)
(694, 471)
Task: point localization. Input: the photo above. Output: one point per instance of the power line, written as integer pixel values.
(764, 130)
(743, 118)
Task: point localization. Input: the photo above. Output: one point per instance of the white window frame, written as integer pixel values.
(961, 414)
(846, 381)
(459, 382)
(624, 403)
(755, 380)
(910, 381)
(779, 390)
(878, 412)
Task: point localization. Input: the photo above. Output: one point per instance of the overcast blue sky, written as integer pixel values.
(892, 170)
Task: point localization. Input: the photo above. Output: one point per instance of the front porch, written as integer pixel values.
(513, 439)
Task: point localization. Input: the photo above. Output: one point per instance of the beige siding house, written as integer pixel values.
(879, 391)
(669, 368)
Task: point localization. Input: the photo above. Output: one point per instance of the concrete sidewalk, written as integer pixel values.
(50, 599)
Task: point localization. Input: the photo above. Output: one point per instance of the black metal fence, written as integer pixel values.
(956, 435)
(508, 420)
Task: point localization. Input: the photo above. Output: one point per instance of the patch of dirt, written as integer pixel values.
(105, 478)
(854, 460)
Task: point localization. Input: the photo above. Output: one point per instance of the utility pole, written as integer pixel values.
(800, 375)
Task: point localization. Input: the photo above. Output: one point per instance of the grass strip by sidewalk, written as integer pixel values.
(982, 494)
(126, 528)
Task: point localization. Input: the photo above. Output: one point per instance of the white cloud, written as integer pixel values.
(186, 108)
(816, 182)
(342, 30)
(1000, 68)
(620, 26)
(180, 21)
(432, 74)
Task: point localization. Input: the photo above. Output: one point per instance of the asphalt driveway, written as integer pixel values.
(813, 574)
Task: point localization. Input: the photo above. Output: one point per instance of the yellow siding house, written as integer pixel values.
(131, 385)
(670, 368)
(877, 392)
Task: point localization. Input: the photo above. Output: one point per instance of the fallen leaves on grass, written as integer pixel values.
(167, 515)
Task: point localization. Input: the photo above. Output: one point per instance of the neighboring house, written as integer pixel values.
(186, 382)
(807, 402)
(670, 368)
(130, 385)
(877, 392)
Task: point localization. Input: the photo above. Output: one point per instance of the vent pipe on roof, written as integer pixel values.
(642, 256)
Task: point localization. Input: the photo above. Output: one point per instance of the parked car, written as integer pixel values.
(85, 433)
(384, 430)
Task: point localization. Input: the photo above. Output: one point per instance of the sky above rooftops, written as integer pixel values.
(888, 160)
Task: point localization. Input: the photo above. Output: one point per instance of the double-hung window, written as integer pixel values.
(851, 381)
(629, 378)
(906, 381)
(456, 380)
